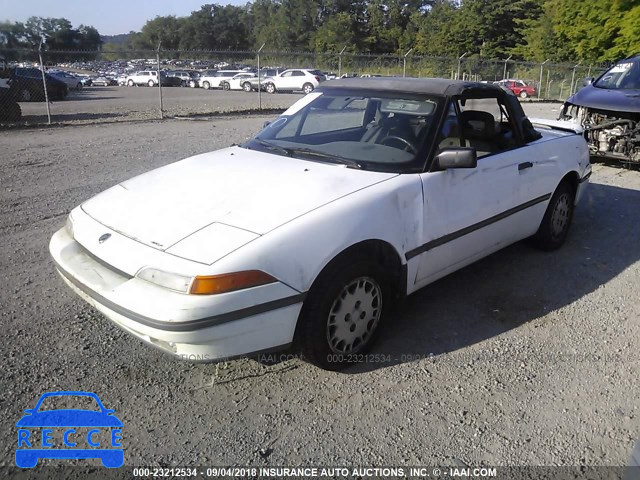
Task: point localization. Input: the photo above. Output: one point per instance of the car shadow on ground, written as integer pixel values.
(514, 286)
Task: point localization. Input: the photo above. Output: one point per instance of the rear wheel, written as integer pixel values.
(79, 86)
(270, 88)
(206, 85)
(130, 83)
(555, 224)
(151, 83)
(226, 86)
(342, 313)
(523, 94)
(307, 88)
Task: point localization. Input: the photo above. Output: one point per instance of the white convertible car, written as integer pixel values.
(359, 194)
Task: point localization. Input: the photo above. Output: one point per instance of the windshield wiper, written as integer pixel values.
(272, 147)
(315, 153)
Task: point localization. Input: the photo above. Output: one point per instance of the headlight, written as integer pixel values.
(68, 226)
(207, 284)
(172, 281)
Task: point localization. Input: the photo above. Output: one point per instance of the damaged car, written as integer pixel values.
(303, 237)
(608, 109)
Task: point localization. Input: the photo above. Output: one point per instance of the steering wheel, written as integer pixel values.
(410, 147)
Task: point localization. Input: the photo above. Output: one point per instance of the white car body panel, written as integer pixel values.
(239, 209)
(236, 82)
(254, 191)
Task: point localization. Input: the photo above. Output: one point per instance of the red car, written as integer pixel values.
(518, 87)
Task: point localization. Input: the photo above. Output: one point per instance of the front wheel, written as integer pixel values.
(226, 86)
(307, 88)
(151, 83)
(555, 224)
(523, 94)
(342, 313)
(130, 83)
(246, 86)
(206, 85)
(270, 88)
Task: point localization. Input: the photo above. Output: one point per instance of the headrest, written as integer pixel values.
(478, 122)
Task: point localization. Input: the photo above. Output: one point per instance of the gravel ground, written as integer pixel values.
(524, 358)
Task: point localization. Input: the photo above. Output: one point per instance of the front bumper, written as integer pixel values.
(190, 327)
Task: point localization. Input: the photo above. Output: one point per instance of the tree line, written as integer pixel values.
(535, 30)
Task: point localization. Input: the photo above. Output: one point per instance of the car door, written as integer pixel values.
(287, 80)
(469, 212)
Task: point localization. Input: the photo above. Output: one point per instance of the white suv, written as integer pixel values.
(146, 77)
(294, 79)
(215, 79)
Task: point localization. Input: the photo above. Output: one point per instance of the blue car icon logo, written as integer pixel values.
(69, 433)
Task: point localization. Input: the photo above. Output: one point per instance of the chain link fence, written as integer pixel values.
(39, 87)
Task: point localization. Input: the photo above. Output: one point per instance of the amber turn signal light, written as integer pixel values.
(229, 282)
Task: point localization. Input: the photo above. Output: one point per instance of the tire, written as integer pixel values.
(270, 88)
(343, 312)
(226, 86)
(11, 112)
(183, 83)
(556, 222)
(151, 83)
(206, 85)
(246, 86)
(307, 88)
(79, 86)
(130, 83)
(523, 94)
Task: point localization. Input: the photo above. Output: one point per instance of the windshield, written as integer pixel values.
(371, 130)
(623, 76)
(74, 402)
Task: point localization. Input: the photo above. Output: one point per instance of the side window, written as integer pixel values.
(486, 126)
(286, 74)
(298, 73)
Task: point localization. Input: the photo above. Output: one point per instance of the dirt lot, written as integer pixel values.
(525, 358)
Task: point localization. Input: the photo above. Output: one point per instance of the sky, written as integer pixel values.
(110, 17)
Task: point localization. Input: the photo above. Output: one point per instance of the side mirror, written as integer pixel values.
(109, 411)
(266, 123)
(458, 157)
(29, 411)
(587, 81)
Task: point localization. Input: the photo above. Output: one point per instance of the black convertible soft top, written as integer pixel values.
(433, 86)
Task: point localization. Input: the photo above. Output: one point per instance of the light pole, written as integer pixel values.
(504, 72)
(159, 79)
(460, 62)
(404, 66)
(540, 83)
(340, 61)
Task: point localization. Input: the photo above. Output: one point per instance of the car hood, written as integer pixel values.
(605, 99)
(236, 187)
(69, 418)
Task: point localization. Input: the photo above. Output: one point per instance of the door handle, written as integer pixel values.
(524, 165)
